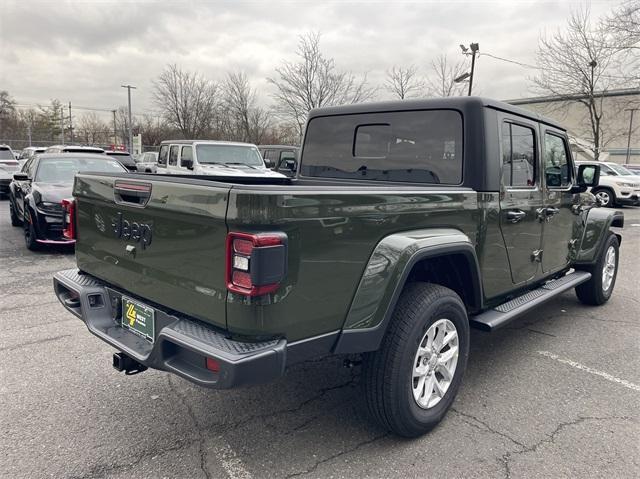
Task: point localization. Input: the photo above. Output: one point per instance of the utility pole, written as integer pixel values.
(29, 131)
(632, 110)
(71, 123)
(474, 49)
(61, 125)
(129, 87)
(115, 129)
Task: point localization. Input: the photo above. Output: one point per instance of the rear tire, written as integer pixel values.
(405, 385)
(599, 288)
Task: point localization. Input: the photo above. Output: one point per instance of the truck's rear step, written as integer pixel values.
(502, 314)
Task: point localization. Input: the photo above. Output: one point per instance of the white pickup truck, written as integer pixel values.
(212, 158)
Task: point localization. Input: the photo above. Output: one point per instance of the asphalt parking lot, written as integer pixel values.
(556, 394)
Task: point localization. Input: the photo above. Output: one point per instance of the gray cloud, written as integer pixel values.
(83, 51)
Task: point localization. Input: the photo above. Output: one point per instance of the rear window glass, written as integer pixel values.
(417, 146)
(63, 170)
(5, 154)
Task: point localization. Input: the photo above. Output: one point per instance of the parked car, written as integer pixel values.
(73, 149)
(36, 192)
(403, 227)
(617, 186)
(213, 158)
(123, 157)
(8, 164)
(29, 152)
(6, 176)
(274, 154)
(147, 162)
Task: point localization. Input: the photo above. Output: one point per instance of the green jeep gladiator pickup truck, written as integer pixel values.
(407, 223)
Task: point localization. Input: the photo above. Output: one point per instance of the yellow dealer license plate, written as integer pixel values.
(138, 318)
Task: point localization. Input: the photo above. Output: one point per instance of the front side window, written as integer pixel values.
(556, 163)
(410, 146)
(186, 155)
(518, 155)
(173, 155)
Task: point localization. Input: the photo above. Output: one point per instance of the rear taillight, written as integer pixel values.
(69, 219)
(256, 263)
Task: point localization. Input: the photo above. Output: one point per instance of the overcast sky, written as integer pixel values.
(83, 51)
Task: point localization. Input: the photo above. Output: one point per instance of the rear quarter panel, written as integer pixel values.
(331, 236)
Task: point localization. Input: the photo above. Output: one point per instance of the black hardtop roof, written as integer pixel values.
(458, 103)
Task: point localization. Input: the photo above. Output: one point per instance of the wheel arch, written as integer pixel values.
(598, 223)
(444, 256)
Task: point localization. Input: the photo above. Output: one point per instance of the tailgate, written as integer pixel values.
(165, 246)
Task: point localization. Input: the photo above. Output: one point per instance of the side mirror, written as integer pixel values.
(187, 164)
(20, 176)
(588, 176)
(288, 165)
(268, 163)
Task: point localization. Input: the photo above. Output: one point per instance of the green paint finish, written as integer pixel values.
(183, 267)
(596, 223)
(384, 271)
(331, 236)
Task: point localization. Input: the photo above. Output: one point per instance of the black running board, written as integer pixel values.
(502, 314)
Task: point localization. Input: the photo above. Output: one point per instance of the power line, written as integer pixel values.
(526, 65)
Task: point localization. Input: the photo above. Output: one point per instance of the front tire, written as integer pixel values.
(599, 288)
(15, 221)
(412, 380)
(30, 236)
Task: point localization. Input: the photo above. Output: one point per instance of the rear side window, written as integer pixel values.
(518, 155)
(556, 166)
(416, 146)
(173, 155)
(163, 155)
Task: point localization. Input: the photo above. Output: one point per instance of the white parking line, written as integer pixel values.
(602, 374)
(230, 461)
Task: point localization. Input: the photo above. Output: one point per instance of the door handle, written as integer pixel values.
(514, 216)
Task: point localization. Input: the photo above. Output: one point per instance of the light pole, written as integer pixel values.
(474, 48)
(129, 87)
(631, 110)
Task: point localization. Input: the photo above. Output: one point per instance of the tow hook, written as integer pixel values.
(122, 362)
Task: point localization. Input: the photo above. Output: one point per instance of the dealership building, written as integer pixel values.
(621, 132)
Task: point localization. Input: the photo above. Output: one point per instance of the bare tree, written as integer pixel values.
(442, 75)
(404, 82)
(153, 129)
(187, 100)
(575, 64)
(623, 25)
(92, 130)
(248, 122)
(314, 81)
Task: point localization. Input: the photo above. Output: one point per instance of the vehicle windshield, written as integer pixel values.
(62, 170)
(620, 170)
(229, 155)
(6, 155)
